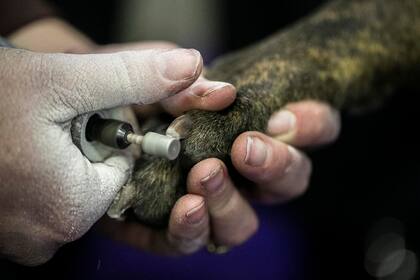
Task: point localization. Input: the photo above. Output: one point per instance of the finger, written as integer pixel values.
(189, 227)
(232, 218)
(280, 171)
(84, 83)
(105, 178)
(305, 123)
(187, 231)
(148, 110)
(203, 94)
(114, 173)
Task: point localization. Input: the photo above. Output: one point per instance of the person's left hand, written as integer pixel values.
(214, 209)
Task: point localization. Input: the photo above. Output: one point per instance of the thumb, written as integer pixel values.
(86, 83)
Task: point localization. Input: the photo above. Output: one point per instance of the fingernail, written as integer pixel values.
(256, 151)
(196, 214)
(179, 64)
(207, 88)
(180, 127)
(214, 180)
(281, 123)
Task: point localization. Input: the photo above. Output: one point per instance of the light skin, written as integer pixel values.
(213, 207)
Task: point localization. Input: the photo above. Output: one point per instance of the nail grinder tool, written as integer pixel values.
(98, 134)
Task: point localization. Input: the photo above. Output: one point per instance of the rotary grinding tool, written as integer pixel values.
(98, 134)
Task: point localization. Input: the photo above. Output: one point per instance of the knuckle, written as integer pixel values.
(171, 87)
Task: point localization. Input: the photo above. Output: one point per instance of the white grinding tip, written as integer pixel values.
(161, 145)
(134, 138)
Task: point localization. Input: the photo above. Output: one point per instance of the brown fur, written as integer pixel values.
(348, 53)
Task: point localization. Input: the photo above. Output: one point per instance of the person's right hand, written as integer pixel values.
(50, 194)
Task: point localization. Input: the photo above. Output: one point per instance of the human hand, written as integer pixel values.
(50, 194)
(280, 173)
(213, 207)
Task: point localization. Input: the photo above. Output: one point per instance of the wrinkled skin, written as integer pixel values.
(50, 194)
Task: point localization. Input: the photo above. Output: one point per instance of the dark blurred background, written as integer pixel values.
(359, 219)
